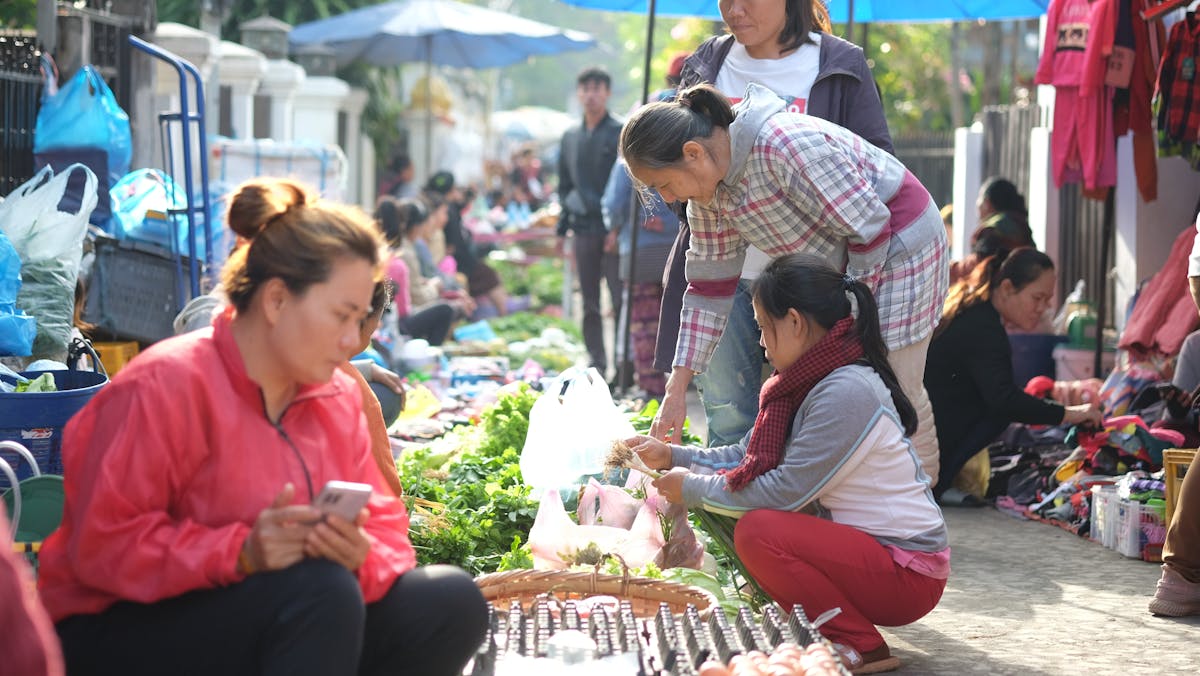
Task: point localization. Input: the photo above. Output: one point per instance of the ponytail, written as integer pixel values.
(875, 351)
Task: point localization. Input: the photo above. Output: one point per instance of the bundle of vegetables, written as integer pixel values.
(541, 280)
(526, 325)
(481, 509)
(718, 528)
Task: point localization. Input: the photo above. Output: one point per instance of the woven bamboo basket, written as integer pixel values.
(645, 594)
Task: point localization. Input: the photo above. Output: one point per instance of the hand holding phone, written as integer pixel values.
(343, 498)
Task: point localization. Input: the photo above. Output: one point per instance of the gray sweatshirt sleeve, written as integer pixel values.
(826, 436)
(709, 460)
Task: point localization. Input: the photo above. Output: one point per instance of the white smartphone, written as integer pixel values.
(344, 498)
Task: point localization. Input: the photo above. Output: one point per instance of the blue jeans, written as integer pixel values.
(730, 386)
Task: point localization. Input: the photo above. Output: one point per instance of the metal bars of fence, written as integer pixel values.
(930, 157)
(1006, 132)
(20, 98)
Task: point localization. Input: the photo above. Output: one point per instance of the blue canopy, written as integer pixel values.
(441, 32)
(873, 11)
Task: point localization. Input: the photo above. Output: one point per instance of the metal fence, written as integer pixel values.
(930, 157)
(1006, 131)
(20, 97)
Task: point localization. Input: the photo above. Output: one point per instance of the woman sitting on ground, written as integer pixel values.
(969, 374)
(420, 310)
(188, 543)
(1003, 225)
(418, 221)
(835, 511)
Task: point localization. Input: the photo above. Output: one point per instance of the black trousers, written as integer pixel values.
(954, 457)
(431, 323)
(594, 266)
(307, 619)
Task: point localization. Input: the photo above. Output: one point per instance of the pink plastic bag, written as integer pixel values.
(555, 536)
(602, 505)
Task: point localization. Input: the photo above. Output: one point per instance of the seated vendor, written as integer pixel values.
(189, 544)
(969, 372)
(835, 510)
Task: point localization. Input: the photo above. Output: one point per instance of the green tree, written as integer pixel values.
(18, 13)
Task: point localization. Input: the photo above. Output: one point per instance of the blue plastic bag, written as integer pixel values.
(149, 206)
(84, 113)
(17, 329)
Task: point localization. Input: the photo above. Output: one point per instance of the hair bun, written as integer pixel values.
(258, 203)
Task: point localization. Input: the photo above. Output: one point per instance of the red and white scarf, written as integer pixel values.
(782, 395)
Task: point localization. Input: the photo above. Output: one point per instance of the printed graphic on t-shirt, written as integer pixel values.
(794, 105)
(1072, 37)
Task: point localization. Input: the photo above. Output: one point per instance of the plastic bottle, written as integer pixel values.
(1074, 302)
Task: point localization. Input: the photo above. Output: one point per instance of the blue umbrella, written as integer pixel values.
(442, 32)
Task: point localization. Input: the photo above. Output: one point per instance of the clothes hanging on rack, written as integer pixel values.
(1178, 104)
(1122, 53)
(1082, 148)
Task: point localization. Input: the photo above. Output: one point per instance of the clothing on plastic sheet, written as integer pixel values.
(1178, 104)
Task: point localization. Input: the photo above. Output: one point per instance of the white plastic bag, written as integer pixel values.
(50, 244)
(571, 429)
(555, 537)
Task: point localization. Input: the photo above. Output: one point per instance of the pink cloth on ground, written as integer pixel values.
(1164, 314)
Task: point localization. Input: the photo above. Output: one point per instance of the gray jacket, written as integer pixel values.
(584, 162)
(846, 460)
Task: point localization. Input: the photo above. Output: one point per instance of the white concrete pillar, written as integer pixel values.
(281, 82)
(1043, 199)
(1147, 230)
(317, 103)
(241, 69)
(968, 175)
(366, 173)
(352, 106)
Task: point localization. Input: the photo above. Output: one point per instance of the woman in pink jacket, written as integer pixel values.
(189, 543)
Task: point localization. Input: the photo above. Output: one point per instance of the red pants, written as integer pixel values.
(819, 564)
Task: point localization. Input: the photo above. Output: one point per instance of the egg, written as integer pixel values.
(713, 669)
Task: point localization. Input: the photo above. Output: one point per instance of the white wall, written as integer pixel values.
(1146, 230)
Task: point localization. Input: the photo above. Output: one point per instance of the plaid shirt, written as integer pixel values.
(1179, 92)
(809, 185)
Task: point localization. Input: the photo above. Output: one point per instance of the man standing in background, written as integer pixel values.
(585, 159)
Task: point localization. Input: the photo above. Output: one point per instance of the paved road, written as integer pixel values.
(1029, 599)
